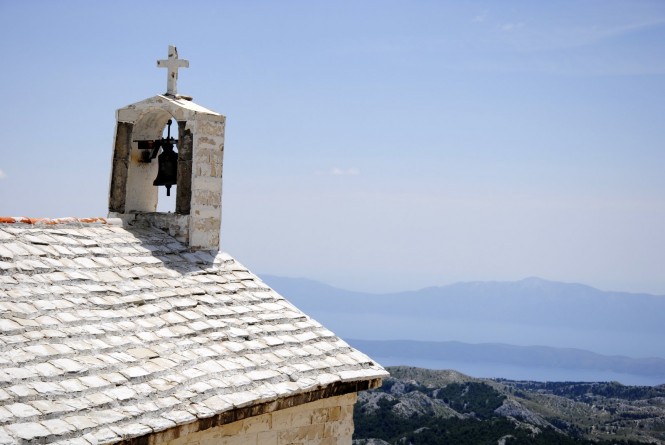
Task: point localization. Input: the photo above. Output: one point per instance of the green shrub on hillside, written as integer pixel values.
(471, 397)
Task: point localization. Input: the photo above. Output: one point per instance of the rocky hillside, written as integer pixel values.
(418, 406)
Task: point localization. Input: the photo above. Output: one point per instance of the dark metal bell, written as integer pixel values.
(167, 175)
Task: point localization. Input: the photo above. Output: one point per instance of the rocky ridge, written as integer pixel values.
(435, 407)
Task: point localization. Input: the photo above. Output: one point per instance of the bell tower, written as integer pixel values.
(143, 160)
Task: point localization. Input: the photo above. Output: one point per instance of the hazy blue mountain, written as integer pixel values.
(532, 311)
(312, 293)
(531, 301)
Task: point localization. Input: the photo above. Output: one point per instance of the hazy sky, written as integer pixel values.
(373, 145)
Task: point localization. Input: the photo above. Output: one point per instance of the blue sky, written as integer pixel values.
(372, 145)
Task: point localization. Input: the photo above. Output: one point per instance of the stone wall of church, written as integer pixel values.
(324, 422)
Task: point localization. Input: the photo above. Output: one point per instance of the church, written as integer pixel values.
(138, 329)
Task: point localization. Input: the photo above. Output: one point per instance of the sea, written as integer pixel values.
(512, 372)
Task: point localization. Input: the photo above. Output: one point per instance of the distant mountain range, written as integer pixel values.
(529, 301)
(529, 312)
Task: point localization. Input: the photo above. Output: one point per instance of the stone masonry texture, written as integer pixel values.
(324, 422)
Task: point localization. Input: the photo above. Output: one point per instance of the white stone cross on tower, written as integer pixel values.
(172, 64)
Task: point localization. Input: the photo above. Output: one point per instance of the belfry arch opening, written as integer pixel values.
(151, 128)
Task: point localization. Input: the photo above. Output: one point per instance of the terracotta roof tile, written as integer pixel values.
(56, 221)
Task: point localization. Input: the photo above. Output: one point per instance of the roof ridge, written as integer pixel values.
(53, 221)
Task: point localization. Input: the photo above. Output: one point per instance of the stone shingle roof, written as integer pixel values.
(110, 333)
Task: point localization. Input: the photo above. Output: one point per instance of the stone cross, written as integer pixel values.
(172, 64)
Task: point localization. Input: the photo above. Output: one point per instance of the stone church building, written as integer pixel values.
(137, 329)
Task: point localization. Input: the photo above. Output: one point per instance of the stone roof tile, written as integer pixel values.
(110, 333)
